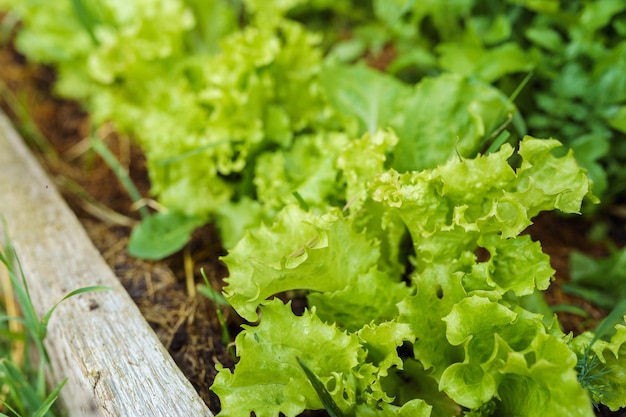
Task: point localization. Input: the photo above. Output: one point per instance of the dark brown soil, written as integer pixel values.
(184, 320)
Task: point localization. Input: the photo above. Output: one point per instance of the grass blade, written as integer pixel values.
(86, 19)
(570, 309)
(521, 86)
(219, 300)
(329, 404)
(301, 201)
(23, 383)
(592, 295)
(46, 318)
(498, 142)
(50, 400)
(607, 326)
(189, 154)
(18, 105)
(110, 159)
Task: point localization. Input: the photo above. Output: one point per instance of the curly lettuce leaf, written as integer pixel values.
(337, 261)
(51, 33)
(304, 253)
(508, 352)
(437, 291)
(381, 341)
(515, 264)
(448, 208)
(536, 186)
(473, 382)
(361, 161)
(308, 168)
(372, 297)
(319, 170)
(612, 354)
(328, 256)
(543, 387)
(268, 379)
(136, 33)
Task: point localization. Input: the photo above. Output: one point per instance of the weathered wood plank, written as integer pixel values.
(115, 364)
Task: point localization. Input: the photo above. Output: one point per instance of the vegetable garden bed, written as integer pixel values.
(397, 213)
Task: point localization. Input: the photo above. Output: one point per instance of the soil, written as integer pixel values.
(184, 320)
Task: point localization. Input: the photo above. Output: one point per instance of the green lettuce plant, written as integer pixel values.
(468, 346)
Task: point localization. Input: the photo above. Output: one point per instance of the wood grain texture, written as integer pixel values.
(115, 364)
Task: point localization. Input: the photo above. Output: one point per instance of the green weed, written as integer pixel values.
(23, 389)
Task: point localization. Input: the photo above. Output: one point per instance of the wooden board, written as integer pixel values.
(115, 364)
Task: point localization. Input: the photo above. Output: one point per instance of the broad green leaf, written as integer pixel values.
(87, 18)
(589, 150)
(214, 19)
(489, 65)
(599, 14)
(446, 116)
(234, 218)
(162, 234)
(618, 119)
(605, 273)
(545, 37)
(389, 11)
(445, 16)
(370, 97)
